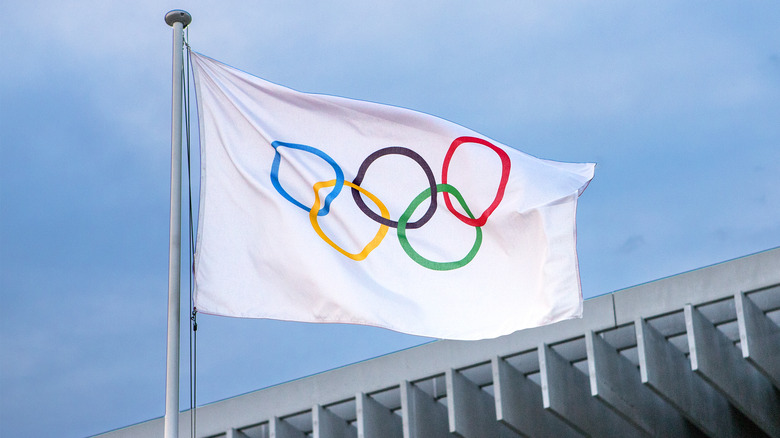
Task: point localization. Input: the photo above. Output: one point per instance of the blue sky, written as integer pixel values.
(676, 102)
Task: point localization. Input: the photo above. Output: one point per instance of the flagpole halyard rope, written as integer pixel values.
(193, 311)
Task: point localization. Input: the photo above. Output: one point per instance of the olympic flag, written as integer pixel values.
(318, 208)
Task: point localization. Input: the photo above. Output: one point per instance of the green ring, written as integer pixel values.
(414, 255)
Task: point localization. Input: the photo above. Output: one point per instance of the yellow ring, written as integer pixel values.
(373, 243)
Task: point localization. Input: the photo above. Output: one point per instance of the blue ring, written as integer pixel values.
(275, 175)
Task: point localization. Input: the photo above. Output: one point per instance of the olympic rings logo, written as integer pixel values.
(383, 218)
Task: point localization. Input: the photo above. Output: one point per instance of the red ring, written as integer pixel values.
(506, 165)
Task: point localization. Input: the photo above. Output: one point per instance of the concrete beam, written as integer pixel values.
(326, 424)
(759, 338)
(700, 286)
(519, 404)
(423, 417)
(566, 392)
(714, 357)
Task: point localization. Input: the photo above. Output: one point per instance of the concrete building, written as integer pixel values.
(696, 354)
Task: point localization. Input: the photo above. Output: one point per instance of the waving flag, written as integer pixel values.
(318, 208)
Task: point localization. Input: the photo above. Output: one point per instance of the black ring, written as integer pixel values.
(395, 150)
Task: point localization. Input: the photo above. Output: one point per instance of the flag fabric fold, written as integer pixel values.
(318, 208)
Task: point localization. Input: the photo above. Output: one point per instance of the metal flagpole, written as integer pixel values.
(177, 19)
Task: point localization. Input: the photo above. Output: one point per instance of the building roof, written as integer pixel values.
(692, 354)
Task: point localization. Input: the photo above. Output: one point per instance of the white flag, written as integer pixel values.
(318, 208)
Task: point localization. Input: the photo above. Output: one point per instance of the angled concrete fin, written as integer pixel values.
(759, 338)
(422, 416)
(615, 381)
(566, 392)
(715, 358)
(519, 404)
(472, 411)
(326, 424)
(235, 433)
(375, 420)
(282, 429)
(667, 371)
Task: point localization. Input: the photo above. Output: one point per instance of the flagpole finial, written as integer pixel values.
(178, 16)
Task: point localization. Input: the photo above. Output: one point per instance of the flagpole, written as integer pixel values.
(177, 19)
